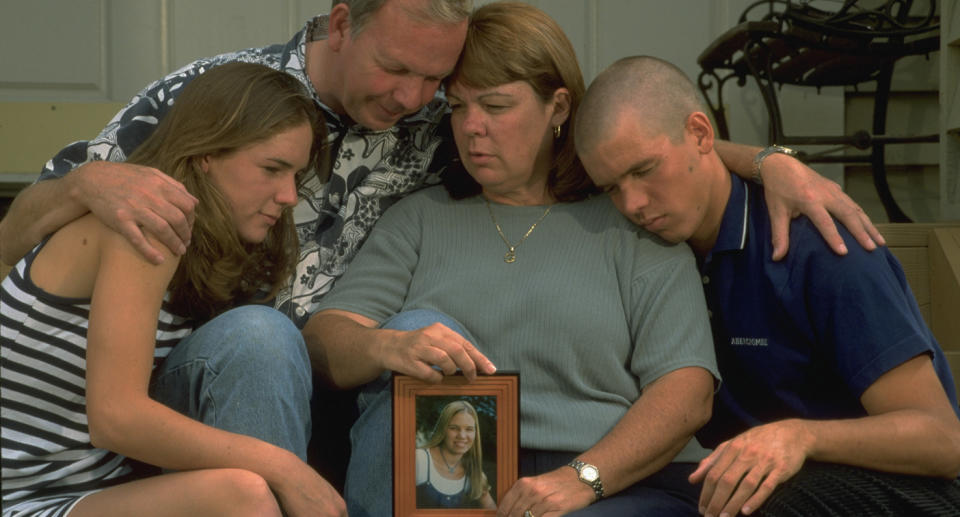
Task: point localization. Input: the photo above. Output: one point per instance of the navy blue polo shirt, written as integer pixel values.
(806, 336)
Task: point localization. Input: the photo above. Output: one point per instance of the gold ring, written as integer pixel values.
(528, 513)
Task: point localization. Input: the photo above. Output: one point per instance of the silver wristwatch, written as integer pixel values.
(589, 475)
(762, 155)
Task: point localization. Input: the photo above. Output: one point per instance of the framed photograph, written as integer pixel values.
(455, 444)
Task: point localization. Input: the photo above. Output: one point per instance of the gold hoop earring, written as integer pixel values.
(556, 133)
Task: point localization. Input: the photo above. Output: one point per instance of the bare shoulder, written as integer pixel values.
(67, 265)
(70, 261)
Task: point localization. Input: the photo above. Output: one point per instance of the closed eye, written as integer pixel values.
(275, 165)
(393, 70)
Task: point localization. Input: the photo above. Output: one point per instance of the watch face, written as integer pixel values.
(589, 473)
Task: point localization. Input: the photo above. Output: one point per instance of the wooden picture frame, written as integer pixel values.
(496, 399)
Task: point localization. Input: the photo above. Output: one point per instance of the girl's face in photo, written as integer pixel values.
(460, 433)
(258, 181)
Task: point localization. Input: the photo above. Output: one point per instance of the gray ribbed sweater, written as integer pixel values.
(591, 311)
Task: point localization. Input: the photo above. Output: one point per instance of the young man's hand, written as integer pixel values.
(742, 472)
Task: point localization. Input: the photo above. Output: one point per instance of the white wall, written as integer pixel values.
(106, 50)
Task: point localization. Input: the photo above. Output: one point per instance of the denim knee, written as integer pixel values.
(419, 318)
(252, 342)
(245, 371)
(266, 337)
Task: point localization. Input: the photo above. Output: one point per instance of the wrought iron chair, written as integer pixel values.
(803, 43)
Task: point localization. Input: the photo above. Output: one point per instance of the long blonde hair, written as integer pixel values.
(473, 459)
(220, 111)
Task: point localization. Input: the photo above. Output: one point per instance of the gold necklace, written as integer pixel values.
(511, 254)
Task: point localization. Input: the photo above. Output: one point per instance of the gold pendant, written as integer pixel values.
(511, 255)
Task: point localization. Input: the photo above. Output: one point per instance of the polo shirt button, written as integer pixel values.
(709, 314)
(706, 279)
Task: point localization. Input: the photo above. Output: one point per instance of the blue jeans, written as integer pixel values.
(245, 371)
(368, 488)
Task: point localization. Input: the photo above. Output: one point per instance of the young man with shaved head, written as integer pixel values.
(824, 358)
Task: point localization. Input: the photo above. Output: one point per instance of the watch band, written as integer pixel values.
(596, 484)
(762, 155)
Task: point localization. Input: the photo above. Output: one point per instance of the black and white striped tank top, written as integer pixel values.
(45, 440)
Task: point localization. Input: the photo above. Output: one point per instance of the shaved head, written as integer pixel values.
(647, 88)
(645, 139)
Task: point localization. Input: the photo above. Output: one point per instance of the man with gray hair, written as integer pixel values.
(836, 398)
(372, 65)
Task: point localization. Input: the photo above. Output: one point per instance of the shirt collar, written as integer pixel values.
(733, 229)
(318, 28)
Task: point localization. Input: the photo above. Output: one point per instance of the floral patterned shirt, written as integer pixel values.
(370, 169)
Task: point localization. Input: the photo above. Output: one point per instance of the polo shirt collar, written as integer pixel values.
(733, 229)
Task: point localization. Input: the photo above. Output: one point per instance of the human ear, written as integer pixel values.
(205, 163)
(698, 124)
(339, 26)
(561, 107)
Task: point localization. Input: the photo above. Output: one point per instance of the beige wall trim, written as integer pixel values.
(32, 132)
